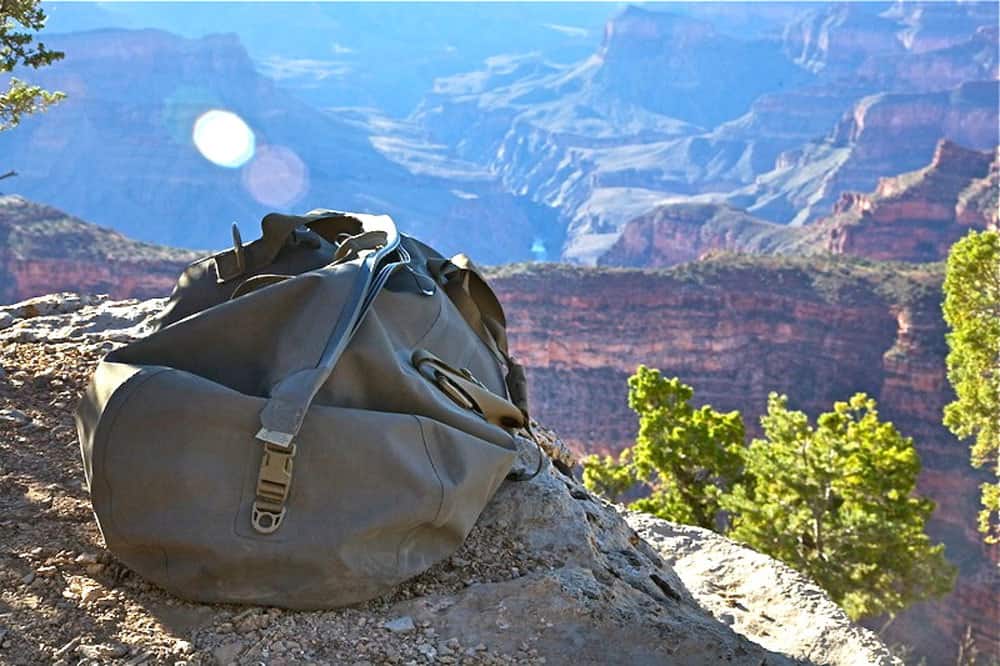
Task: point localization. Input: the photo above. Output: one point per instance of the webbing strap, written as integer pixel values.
(283, 414)
(479, 306)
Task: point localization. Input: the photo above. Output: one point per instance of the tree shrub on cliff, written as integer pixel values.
(687, 457)
(19, 19)
(834, 500)
(972, 310)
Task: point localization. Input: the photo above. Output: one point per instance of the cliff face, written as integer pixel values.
(673, 234)
(870, 94)
(736, 329)
(915, 216)
(43, 249)
(867, 144)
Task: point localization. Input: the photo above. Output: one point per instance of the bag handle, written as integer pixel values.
(276, 230)
(284, 412)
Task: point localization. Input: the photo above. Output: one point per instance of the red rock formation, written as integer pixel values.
(916, 216)
(677, 233)
(738, 328)
(43, 250)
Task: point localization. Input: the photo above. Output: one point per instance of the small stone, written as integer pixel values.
(6, 319)
(427, 650)
(728, 618)
(28, 578)
(103, 652)
(183, 647)
(14, 417)
(400, 625)
(91, 593)
(453, 643)
(228, 653)
(86, 558)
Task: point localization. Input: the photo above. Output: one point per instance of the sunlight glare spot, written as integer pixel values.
(223, 138)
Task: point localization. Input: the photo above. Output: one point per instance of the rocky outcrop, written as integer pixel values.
(712, 567)
(737, 328)
(915, 216)
(674, 234)
(919, 215)
(550, 574)
(43, 250)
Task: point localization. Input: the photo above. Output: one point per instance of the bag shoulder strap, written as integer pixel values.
(283, 413)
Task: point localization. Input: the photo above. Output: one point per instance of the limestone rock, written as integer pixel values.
(758, 594)
(550, 574)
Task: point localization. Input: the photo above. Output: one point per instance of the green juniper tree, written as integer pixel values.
(686, 456)
(835, 501)
(19, 20)
(972, 310)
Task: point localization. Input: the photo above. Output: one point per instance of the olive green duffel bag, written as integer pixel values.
(321, 414)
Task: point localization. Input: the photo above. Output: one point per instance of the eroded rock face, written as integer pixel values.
(550, 574)
(738, 328)
(919, 215)
(43, 250)
(914, 216)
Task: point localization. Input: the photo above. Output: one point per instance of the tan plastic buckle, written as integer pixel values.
(273, 483)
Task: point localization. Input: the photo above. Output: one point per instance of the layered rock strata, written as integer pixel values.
(44, 250)
(737, 328)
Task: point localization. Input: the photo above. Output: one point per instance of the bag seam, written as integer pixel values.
(437, 475)
(430, 459)
(434, 323)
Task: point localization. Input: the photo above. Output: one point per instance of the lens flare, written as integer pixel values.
(223, 138)
(276, 177)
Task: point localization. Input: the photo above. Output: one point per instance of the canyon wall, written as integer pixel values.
(914, 216)
(43, 250)
(736, 328)
(919, 215)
